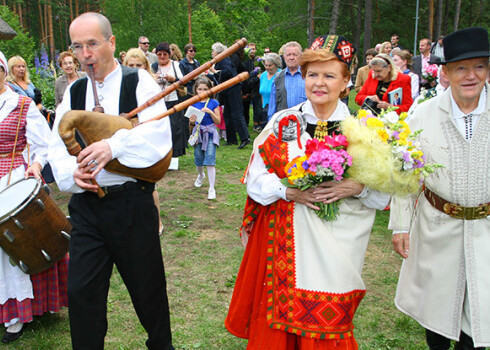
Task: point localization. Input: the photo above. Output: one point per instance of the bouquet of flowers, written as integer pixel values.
(430, 72)
(324, 160)
(386, 156)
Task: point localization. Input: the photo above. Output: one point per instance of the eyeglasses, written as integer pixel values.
(145, 43)
(191, 50)
(91, 46)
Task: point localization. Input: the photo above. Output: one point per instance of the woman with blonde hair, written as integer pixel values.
(385, 48)
(175, 53)
(384, 78)
(135, 58)
(19, 81)
(297, 266)
(403, 61)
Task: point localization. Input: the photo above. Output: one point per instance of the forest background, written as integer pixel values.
(42, 25)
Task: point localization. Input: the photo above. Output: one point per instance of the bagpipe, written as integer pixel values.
(93, 126)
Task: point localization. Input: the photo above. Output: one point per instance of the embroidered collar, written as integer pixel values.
(340, 113)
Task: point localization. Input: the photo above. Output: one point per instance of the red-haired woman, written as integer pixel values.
(299, 282)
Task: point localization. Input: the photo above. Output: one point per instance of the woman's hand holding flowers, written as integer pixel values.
(332, 191)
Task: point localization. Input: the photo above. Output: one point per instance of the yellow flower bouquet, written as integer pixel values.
(385, 155)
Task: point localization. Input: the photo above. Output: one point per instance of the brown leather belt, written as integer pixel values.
(457, 211)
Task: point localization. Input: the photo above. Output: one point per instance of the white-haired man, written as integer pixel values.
(444, 236)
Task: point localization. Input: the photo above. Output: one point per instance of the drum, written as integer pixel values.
(34, 232)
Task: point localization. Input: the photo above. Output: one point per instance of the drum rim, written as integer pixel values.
(23, 204)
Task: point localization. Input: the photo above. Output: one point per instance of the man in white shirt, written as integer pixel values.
(444, 235)
(122, 227)
(144, 45)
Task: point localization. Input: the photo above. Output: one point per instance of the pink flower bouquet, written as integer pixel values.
(324, 160)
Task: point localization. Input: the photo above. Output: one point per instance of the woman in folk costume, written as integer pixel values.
(300, 283)
(22, 296)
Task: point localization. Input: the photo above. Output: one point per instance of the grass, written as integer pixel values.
(202, 252)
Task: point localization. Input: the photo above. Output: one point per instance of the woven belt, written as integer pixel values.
(9, 155)
(457, 211)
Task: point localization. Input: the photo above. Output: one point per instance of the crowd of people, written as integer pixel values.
(299, 282)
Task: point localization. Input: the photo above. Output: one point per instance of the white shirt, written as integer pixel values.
(458, 115)
(139, 147)
(266, 188)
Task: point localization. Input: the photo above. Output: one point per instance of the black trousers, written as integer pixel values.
(256, 101)
(121, 229)
(231, 99)
(439, 342)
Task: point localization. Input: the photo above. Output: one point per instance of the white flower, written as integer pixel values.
(391, 117)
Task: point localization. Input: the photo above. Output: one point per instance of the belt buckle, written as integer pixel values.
(454, 210)
(467, 213)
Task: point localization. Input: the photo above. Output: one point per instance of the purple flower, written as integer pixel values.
(406, 157)
(418, 163)
(396, 134)
(305, 165)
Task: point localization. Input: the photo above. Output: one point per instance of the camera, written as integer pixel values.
(371, 105)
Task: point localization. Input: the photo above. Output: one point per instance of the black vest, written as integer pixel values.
(127, 99)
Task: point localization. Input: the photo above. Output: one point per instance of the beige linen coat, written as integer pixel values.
(448, 256)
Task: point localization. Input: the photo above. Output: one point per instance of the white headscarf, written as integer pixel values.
(3, 63)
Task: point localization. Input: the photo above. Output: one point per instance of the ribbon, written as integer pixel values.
(285, 122)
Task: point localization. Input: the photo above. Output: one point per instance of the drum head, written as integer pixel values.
(15, 195)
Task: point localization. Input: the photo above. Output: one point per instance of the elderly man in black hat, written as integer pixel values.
(445, 239)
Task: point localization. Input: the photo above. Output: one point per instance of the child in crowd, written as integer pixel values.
(208, 137)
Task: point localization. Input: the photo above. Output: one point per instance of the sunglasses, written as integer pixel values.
(191, 50)
(145, 43)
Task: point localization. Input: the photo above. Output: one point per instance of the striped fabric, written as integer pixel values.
(8, 132)
(50, 295)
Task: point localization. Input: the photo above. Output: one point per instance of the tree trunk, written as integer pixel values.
(437, 31)
(41, 22)
(445, 18)
(430, 31)
(334, 20)
(77, 8)
(52, 49)
(368, 12)
(20, 14)
(189, 20)
(311, 22)
(357, 29)
(456, 15)
(70, 4)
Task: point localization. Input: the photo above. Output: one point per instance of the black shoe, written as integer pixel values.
(230, 143)
(10, 337)
(244, 143)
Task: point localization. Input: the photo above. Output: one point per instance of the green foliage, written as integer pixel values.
(207, 28)
(44, 83)
(22, 44)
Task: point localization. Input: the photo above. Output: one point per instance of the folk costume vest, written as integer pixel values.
(13, 133)
(127, 101)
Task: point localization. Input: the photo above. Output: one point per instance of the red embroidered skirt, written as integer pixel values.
(50, 295)
(247, 314)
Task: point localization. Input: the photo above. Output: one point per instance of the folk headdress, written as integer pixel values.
(338, 45)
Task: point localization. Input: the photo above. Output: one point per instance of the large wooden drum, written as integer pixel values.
(34, 232)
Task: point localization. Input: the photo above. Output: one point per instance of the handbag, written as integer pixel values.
(181, 90)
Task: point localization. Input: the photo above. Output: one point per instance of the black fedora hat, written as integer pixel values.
(466, 43)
